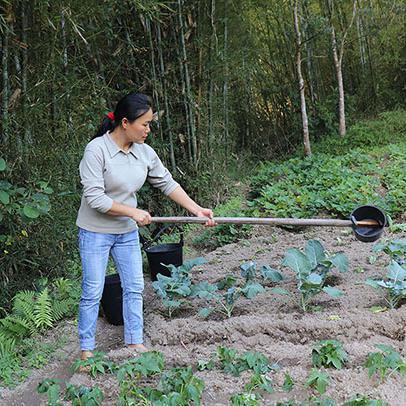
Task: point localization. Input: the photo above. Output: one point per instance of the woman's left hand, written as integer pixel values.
(206, 213)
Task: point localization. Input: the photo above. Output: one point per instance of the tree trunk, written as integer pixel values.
(338, 54)
(26, 123)
(225, 86)
(5, 90)
(341, 101)
(188, 94)
(165, 95)
(306, 138)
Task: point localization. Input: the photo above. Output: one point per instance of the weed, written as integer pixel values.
(288, 383)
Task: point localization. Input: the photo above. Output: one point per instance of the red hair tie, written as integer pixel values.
(110, 115)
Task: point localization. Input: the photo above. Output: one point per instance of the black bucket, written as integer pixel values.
(368, 234)
(112, 300)
(167, 254)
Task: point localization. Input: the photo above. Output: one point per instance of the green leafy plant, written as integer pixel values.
(362, 400)
(385, 363)
(259, 382)
(288, 383)
(318, 380)
(396, 249)
(232, 363)
(98, 364)
(147, 364)
(173, 289)
(51, 387)
(394, 284)
(224, 302)
(329, 353)
(181, 386)
(245, 399)
(318, 401)
(84, 396)
(311, 269)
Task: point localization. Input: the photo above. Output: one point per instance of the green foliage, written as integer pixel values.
(288, 383)
(259, 382)
(10, 363)
(232, 290)
(329, 353)
(395, 284)
(98, 364)
(338, 183)
(177, 386)
(35, 311)
(20, 210)
(396, 249)
(362, 400)
(181, 386)
(385, 363)
(311, 269)
(173, 289)
(78, 395)
(83, 395)
(51, 387)
(318, 380)
(223, 234)
(147, 364)
(232, 363)
(245, 399)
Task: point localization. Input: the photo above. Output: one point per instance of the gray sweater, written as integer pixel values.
(109, 174)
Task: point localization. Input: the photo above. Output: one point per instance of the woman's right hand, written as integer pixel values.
(142, 217)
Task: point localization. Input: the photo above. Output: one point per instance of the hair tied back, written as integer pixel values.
(110, 115)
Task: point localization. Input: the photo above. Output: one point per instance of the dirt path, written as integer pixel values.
(268, 323)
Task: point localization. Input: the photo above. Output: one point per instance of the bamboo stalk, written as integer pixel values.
(266, 221)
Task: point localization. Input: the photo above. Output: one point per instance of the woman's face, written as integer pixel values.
(138, 130)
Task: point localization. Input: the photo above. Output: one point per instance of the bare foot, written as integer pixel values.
(138, 347)
(86, 355)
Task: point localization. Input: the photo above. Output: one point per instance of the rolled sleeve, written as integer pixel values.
(91, 174)
(159, 176)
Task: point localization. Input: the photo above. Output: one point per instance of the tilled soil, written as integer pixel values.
(269, 323)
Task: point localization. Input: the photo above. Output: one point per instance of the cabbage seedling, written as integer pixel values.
(172, 289)
(311, 268)
(395, 284)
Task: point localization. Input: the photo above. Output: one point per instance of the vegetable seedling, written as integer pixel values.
(395, 284)
(98, 364)
(318, 380)
(173, 289)
(329, 353)
(311, 269)
(385, 363)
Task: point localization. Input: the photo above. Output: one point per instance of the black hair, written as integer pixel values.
(131, 107)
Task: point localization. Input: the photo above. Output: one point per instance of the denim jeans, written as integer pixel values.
(95, 249)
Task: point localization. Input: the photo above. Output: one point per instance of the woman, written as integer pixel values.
(115, 165)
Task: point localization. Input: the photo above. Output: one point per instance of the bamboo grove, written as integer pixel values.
(223, 74)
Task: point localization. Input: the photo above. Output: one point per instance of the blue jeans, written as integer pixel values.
(94, 252)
